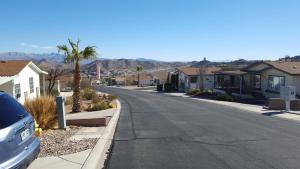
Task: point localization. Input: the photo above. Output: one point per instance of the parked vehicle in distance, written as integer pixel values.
(18, 145)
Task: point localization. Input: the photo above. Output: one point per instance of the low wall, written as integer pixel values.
(278, 104)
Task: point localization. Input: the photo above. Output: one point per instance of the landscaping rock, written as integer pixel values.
(58, 142)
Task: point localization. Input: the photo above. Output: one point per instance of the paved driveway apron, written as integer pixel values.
(156, 131)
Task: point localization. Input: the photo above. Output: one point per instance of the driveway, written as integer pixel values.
(164, 132)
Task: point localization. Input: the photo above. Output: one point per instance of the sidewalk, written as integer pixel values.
(91, 158)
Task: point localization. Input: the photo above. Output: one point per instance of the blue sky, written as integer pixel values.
(181, 30)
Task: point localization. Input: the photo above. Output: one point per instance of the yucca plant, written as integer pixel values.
(43, 109)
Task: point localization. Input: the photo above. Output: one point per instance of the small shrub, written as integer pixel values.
(69, 100)
(168, 87)
(99, 106)
(225, 97)
(96, 98)
(193, 92)
(85, 83)
(111, 97)
(43, 109)
(88, 93)
(159, 87)
(55, 93)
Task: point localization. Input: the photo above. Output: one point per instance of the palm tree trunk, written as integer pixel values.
(76, 91)
(138, 79)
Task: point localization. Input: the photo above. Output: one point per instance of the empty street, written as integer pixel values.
(160, 132)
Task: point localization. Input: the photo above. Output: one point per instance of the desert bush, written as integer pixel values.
(225, 97)
(69, 100)
(168, 87)
(111, 97)
(55, 93)
(88, 93)
(99, 106)
(96, 98)
(43, 109)
(85, 83)
(193, 92)
(159, 87)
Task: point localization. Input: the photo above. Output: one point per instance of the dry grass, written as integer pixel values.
(43, 109)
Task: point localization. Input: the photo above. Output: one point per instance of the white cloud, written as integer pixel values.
(37, 46)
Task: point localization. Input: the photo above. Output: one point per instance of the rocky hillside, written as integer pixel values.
(131, 64)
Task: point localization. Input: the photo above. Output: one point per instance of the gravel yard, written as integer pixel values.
(57, 142)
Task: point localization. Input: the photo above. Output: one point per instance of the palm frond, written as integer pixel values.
(89, 52)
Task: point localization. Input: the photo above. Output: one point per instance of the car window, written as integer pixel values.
(11, 111)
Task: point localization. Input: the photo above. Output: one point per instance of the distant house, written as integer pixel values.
(261, 78)
(21, 79)
(196, 78)
(146, 80)
(267, 77)
(120, 81)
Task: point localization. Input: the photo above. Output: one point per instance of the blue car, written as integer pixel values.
(18, 145)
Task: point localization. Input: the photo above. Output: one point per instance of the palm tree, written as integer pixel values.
(74, 55)
(139, 69)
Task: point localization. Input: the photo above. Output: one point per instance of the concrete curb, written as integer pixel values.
(98, 154)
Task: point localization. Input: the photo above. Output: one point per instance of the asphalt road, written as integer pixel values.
(164, 132)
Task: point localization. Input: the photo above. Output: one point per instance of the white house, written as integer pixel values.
(21, 79)
(195, 78)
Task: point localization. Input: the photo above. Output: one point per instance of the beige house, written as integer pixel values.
(267, 77)
(196, 78)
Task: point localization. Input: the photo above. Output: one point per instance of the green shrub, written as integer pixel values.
(96, 98)
(168, 87)
(88, 93)
(43, 109)
(55, 93)
(193, 92)
(111, 97)
(99, 106)
(159, 87)
(225, 97)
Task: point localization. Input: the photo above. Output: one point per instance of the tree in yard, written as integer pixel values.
(74, 55)
(139, 69)
(52, 77)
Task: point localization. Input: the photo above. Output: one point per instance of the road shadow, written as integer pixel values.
(272, 113)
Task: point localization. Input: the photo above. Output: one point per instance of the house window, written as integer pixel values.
(17, 91)
(194, 79)
(257, 81)
(31, 86)
(275, 82)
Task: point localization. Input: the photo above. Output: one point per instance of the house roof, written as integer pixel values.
(292, 68)
(230, 72)
(191, 71)
(13, 67)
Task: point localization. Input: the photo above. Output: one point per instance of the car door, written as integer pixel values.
(16, 128)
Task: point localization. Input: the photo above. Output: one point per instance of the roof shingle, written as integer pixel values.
(12, 67)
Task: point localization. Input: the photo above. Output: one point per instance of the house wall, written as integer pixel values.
(146, 82)
(297, 84)
(182, 81)
(209, 82)
(289, 80)
(23, 79)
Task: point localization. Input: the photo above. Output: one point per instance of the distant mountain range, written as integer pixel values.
(55, 60)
